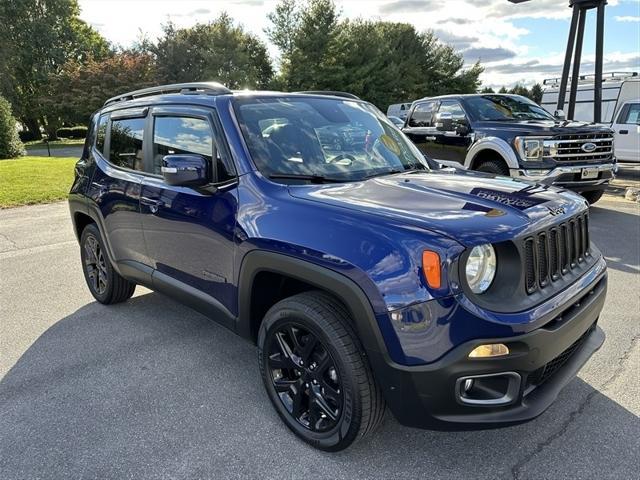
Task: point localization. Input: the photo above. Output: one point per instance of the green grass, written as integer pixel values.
(30, 180)
(60, 143)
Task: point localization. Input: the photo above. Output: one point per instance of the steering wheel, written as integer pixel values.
(343, 156)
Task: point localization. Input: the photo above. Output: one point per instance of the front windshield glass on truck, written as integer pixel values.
(323, 139)
(505, 107)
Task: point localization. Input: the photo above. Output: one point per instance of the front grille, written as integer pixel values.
(545, 372)
(568, 148)
(553, 253)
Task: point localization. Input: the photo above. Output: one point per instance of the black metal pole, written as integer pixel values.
(597, 94)
(575, 72)
(567, 58)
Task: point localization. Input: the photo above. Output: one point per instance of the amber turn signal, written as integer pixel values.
(489, 350)
(431, 268)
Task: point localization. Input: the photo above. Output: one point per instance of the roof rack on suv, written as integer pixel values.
(331, 93)
(607, 77)
(209, 88)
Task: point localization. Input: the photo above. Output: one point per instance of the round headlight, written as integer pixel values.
(481, 268)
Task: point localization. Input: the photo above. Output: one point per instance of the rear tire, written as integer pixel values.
(495, 166)
(593, 196)
(316, 374)
(105, 284)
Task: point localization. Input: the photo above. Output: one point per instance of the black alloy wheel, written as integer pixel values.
(305, 377)
(95, 265)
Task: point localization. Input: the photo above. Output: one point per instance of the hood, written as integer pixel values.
(544, 127)
(469, 207)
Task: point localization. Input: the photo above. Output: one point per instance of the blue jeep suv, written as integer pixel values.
(368, 276)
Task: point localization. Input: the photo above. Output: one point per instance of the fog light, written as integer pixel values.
(489, 350)
(468, 384)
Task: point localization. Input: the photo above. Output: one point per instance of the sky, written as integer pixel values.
(522, 43)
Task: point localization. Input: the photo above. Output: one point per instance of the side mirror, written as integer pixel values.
(444, 121)
(185, 170)
(559, 114)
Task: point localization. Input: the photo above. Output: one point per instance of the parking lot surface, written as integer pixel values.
(151, 389)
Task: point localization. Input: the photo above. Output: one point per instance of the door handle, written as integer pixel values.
(152, 204)
(623, 132)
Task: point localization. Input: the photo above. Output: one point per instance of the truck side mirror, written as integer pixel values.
(559, 114)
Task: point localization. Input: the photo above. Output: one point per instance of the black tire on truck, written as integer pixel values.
(592, 196)
(494, 165)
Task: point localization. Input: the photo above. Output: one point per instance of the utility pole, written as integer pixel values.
(574, 50)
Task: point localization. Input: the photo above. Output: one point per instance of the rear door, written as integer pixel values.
(116, 184)
(189, 232)
(627, 133)
(420, 127)
(452, 136)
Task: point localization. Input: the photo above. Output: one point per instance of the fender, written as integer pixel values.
(328, 280)
(496, 144)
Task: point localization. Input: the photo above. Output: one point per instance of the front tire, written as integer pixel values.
(593, 196)
(105, 284)
(315, 372)
(495, 166)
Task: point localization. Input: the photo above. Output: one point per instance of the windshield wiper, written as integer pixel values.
(307, 178)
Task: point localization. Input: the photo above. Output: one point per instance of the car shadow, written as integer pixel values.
(616, 233)
(151, 389)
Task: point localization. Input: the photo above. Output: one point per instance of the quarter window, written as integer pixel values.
(126, 143)
(101, 133)
(422, 115)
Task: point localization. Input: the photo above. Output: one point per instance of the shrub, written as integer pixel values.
(27, 136)
(10, 144)
(72, 132)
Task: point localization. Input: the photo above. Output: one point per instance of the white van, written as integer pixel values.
(399, 110)
(620, 108)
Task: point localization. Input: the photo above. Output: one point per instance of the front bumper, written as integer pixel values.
(540, 363)
(569, 176)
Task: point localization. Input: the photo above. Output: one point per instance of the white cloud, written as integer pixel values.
(626, 18)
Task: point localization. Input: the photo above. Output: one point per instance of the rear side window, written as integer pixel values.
(125, 146)
(422, 115)
(101, 133)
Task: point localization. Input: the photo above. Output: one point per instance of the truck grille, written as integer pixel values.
(550, 254)
(568, 148)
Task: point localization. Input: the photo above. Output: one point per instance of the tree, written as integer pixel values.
(80, 88)
(38, 37)
(487, 90)
(10, 144)
(503, 90)
(219, 50)
(382, 62)
(536, 93)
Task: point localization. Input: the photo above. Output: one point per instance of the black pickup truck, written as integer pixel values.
(511, 135)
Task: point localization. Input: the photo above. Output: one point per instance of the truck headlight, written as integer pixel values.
(530, 148)
(480, 269)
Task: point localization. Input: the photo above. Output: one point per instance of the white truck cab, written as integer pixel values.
(620, 108)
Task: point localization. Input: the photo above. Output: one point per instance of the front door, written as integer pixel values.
(627, 133)
(189, 232)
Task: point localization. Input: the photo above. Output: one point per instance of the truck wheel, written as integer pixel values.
(105, 284)
(315, 372)
(593, 196)
(493, 166)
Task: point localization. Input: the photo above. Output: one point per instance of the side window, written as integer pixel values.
(633, 115)
(454, 108)
(101, 133)
(186, 135)
(125, 148)
(422, 115)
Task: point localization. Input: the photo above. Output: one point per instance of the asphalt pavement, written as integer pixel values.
(151, 389)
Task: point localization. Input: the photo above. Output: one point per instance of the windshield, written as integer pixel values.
(323, 139)
(503, 107)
